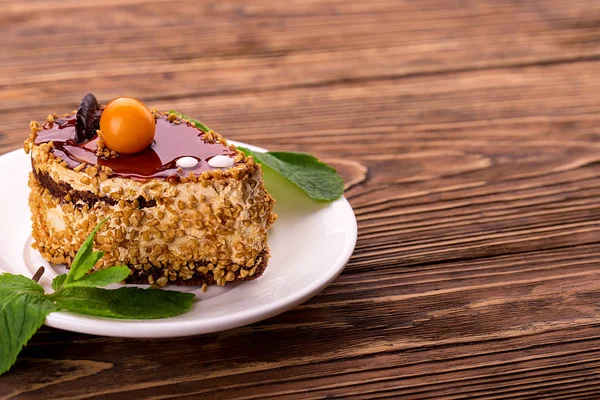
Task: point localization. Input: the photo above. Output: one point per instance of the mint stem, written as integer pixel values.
(36, 277)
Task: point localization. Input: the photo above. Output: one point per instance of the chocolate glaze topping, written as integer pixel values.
(158, 161)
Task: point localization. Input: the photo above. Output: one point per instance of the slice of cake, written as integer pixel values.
(183, 206)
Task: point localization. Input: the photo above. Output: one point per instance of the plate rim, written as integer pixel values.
(164, 328)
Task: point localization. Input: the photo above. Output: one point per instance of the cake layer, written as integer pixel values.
(201, 240)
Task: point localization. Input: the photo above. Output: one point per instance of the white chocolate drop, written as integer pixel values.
(221, 162)
(187, 162)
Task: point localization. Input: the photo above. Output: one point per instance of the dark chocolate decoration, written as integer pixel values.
(88, 118)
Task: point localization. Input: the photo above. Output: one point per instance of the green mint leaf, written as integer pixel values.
(83, 267)
(10, 282)
(125, 302)
(194, 121)
(58, 281)
(317, 179)
(23, 309)
(85, 259)
(103, 277)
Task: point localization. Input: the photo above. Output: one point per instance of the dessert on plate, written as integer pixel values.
(183, 206)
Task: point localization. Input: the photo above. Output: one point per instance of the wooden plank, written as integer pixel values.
(553, 91)
(272, 51)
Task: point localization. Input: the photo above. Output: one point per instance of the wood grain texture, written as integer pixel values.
(469, 136)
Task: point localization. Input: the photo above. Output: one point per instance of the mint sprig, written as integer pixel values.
(317, 179)
(24, 306)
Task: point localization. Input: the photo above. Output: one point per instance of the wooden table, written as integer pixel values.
(469, 136)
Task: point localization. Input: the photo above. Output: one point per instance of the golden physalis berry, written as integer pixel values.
(127, 125)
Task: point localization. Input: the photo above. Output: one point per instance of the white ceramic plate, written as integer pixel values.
(310, 244)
